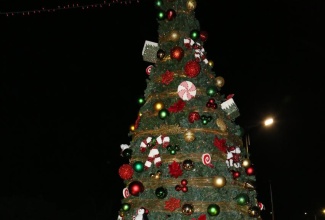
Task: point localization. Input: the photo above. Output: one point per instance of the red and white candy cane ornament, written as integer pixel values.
(186, 90)
(144, 144)
(164, 140)
(126, 192)
(206, 160)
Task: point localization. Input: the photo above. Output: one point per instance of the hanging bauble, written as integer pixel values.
(213, 210)
(126, 171)
(177, 53)
(126, 206)
(189, 136)
(184, 189)
(161, 192)
(158, 3)
(163, 113)
(254, 211)
(212, 91)
(158, 106)
(191, 5)
(161, 15)
(192, 68)
(221, 124)
(161, 54)
(219, 181)
(250, 171)
(188, 165)
(203, 36)
(195, 34)
(174, 36)
(193, 116)
(242, 199)
(211, 63)
(249, 185)
(170, 14)
(187, 209)
(235, 174)
(220, 81)
(127, 153)
(141, 100)
(135, 188)
(246, 163)
(138, 166)
(184, 182)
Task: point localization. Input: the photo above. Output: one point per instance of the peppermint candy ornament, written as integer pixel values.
(148, 69)
(186, 90)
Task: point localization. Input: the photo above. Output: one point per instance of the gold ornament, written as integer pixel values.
(189, 136)
(219, 181)
(254, 211)
(187, 209)
(220, 81)
(246, 163)
(132, 128)
(158, 106)
(121, 213)
(221, 124)
(211, 63)
(191, 5)
(174, 35)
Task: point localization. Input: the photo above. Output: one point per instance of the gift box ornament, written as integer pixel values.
(149, 51)
(230, 108)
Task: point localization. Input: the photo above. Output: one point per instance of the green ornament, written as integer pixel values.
(212, 91)
(173, 152)
(141, 101)
(127, 153)
(163, 113)
(158, 3)
(161, 15)
(126, 206)
(213, 210)
(242, 199)
(161, 192)
(195, 34)
(138, 166)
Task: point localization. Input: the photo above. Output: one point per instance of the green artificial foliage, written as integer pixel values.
(158, 132)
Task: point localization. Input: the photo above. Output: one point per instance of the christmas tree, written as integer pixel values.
(187, 158)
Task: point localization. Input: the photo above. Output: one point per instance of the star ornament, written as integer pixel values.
(172, 204)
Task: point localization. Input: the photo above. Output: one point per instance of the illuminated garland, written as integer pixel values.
(68, 6)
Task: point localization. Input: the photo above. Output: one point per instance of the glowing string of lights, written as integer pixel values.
(67, 7)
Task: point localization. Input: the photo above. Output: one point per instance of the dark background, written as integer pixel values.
(70, 80)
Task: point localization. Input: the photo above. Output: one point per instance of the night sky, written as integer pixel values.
(70, 80)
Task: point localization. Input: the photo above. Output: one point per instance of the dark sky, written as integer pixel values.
(70, 80)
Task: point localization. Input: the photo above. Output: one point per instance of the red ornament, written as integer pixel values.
(167, 77)
(172, 204)
(177, 53)
(175, 169)
(177, 107)
(135, 188)
(126, 171)
(192, 68)
(178, 187)
(203, 36)
(184, 189)
(235, 174)
(170, 14)
(211, 103)
(137, 122)
(250, 171)
(193, 116)
(220, 144)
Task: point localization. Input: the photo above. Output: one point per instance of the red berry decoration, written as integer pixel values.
(170, 14)
(177, 53)
(184, 189)
(235, 174)
(203, 36)
(192, 68)
(193, 116)
(126, 171)
(211, 103)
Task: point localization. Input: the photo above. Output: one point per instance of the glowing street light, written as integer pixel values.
(268, 121)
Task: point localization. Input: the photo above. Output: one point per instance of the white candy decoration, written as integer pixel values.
(126, 192)
(148, 69)
(186, 90)
(206, 160)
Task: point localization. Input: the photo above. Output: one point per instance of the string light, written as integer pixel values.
(67, 7)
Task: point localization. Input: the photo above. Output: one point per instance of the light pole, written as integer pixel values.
(271, 195)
